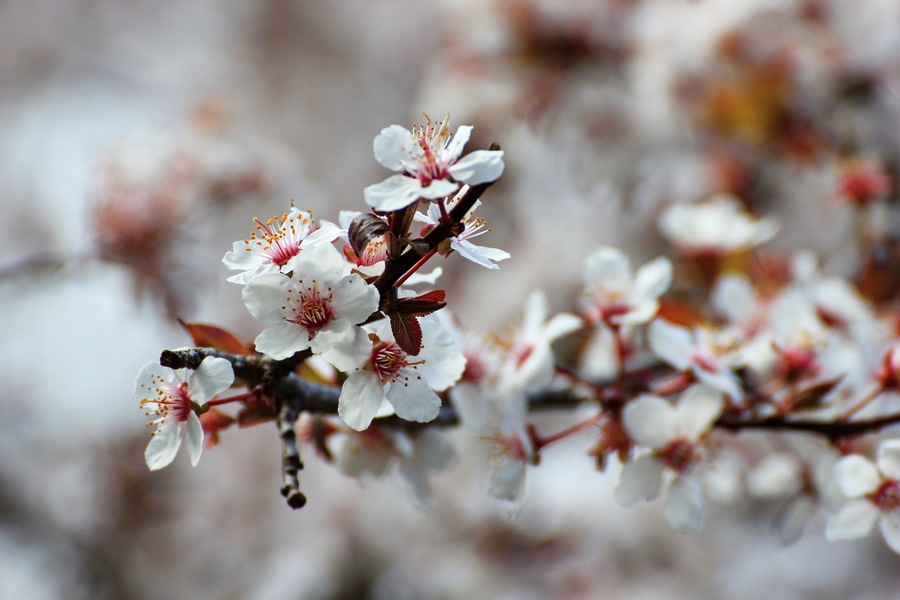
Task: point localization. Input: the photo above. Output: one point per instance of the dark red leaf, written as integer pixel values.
(407, 332)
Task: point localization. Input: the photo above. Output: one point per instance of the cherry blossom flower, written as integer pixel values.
(427, 160)
(174, 401)
(709, 353)
(315, 308)
(274, 243)
(380, 371)
(616, 297)
(717, 226)
(673, 433)
(472, 228)
(874, 492)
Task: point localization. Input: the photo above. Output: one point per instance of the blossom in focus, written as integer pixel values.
(381, 372)
(472, 228)
(428, 164)
(315, 308)
(174, 401)
(615, 296)
(874, 492)
(718, 226)
(709, 353)
(274, 243)
(673, 434)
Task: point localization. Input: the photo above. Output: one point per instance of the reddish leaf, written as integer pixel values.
(407, 332)
(212, 336)
(422, 305)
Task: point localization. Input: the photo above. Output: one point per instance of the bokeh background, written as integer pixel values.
(137, 140)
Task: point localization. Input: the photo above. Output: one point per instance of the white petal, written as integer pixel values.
(265, 296)
(671, 343)
(653, 279)
(240, 259)
(336, 333)
(438, 188)
(650, 421)
(350, 352)
(282, 340)
(776, 476)
(394, 193)
(162, 448)
(857, 476)
(470, 405)
(321, 263)
(697, 410)
(854, 520)
(793, 518)
(353, 299)
(509, 481)
(457, 142)
(394, 146)
(535, 314)
(194, 438)
(605, 263)
(639, 480)
(561, 325)
(477, 167)
(212, 377)
(685, 505)
(430, 278)
(637, 314)
(735, 297)
(480, 255)
(147, 381)
(413, 400)
(361, 396)
(890, 530)
(724, 381)
(889, 459)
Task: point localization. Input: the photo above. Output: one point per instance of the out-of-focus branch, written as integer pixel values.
(291, 464)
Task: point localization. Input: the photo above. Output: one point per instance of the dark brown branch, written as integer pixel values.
(291, 464)
(831, 430)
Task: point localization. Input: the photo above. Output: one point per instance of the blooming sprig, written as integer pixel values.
(314, 308)
(428, 164)
(275, 243)
(175, 398)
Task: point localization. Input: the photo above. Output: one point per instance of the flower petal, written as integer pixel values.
(265, 295)
(212, 377)
(394, 193)
(607, 263)
(480, 255)
(162, 448)
(671, 343)
(282, 340)
(857, 476)
(889, 459)
(457, 142)
(353, 299)
(147, 381)
(194, 438)
(697, 409)
(509, 481)
(477, 167)
(854, 520)
(413, 400)
(639, 480)
(350, 352)
(361, 396)
(890, 530)
(685, 505)
(653, 279)
(650, 421)
(394, 147)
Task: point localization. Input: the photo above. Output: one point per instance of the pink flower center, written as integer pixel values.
(679, 455)
(430, 167)
(278, 240)
(389, 361)
(171, 404)
(311, 310)
(887, 496)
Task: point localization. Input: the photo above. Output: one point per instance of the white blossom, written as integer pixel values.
(174, 400)
(874, 493)
(615, 296)
(719, 225)
(428, 164)
(314, 308)
(274, 243)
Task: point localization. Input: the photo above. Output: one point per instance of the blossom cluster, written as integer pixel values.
(662, 382)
